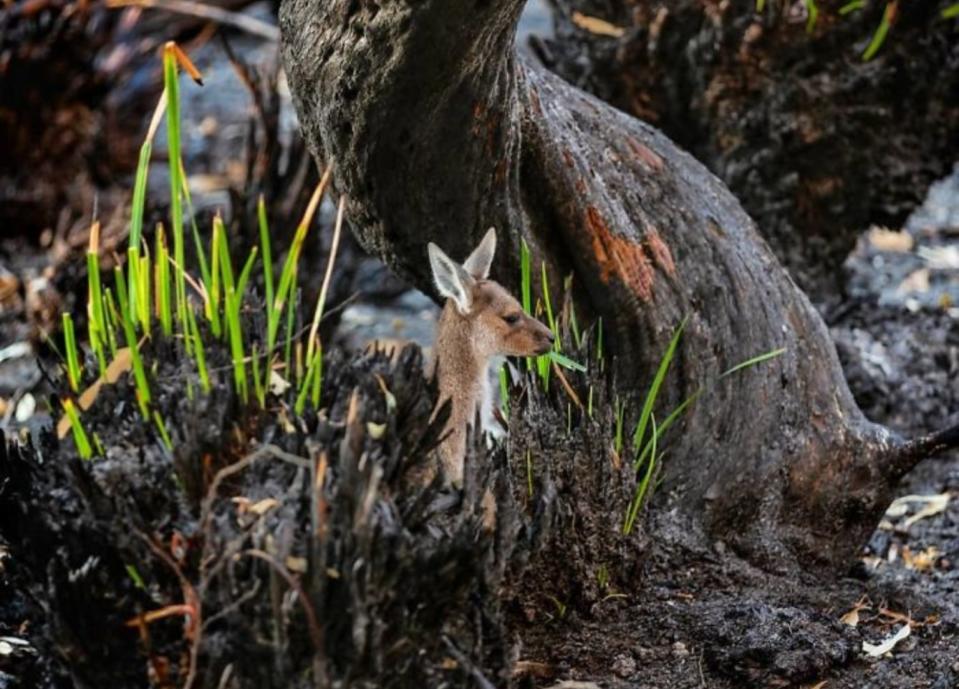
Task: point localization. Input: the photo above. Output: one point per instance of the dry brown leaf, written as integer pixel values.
(597, 26)
(121, 363)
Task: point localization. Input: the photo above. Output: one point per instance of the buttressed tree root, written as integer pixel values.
(439, 129)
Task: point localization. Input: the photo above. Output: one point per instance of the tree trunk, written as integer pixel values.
(439, 130)
(814, 140)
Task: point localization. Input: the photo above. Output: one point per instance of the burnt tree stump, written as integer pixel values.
(438, 130)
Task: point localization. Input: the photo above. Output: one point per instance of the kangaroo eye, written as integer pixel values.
(511, 319)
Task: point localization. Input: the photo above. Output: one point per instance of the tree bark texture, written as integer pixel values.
(815, 141)
(439, 130)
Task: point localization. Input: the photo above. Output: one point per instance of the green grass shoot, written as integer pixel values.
(161, 430)
(161, 282)
(565, 362)
(80, 438)
(139, 374)
(504, 389)
(199, 352)
(850, 7)
(266, 250)
(879, 37)
(234, 330)
(753, 361)
(96, 318)
(311, 382)
(526, 285)
(171, 87)
(812, 15)
(653, 393)
(951, 12)
(74, 369)
(643, 486)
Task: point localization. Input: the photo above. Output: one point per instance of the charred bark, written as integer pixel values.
(439, 130)
(816, 142)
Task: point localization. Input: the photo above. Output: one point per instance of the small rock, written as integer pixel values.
(680, 650)
(624, 666)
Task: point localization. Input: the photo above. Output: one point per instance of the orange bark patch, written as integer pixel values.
(645, 154)
(619, 256)
(661, 253)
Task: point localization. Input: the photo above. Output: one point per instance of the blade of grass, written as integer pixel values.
(80, 438)
(74, 369)
(139, 374)
(290, 323)
(171, 85)
(653, 393)
(565, 362)
(313, 339)
(96, 319)
(266, 250)
(812, 15)
(951, 12)
(199, 352)
(161, 429)
(673, 416)
(213, 303)
(275, 310)
(504, 389)
(753, 361)
(235, 333)
(643, 486)
(161, 282)
(143, 293)
(879, 37)
(245, 273)
(305, 383)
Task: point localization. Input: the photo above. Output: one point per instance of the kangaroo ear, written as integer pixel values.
(452, 280)
(479, 262)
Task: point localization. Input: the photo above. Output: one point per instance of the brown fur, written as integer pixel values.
(464, 345)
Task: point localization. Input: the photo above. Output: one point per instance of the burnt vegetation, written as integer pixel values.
(227, 503)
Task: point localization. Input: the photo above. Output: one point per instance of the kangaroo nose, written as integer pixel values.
(550, 336)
